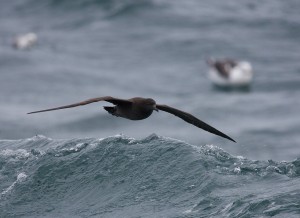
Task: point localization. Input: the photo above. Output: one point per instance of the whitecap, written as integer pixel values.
(237, 170)
(20, 178)
(17, 154)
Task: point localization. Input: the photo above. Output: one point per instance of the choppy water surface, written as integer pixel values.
(153, 177)
(151, 48)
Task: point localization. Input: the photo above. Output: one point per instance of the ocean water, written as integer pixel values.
(83, 162)
(153, 177)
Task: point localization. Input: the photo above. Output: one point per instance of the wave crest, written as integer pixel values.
(118, 173)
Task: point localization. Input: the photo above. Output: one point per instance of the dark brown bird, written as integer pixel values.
(140, 108)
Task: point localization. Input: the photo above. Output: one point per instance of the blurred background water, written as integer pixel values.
(153, 48)
(157, 49)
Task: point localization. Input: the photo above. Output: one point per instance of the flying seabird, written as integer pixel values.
(230, 73)
(25, 41)
(141, 108)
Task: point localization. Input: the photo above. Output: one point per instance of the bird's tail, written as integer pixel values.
(110, 110)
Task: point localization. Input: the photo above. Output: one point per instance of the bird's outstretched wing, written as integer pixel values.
(110, 99)
(192, 120)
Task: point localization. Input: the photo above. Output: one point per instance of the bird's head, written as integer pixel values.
(151, 104)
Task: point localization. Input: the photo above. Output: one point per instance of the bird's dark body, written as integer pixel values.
(136, 109)
(138, 113)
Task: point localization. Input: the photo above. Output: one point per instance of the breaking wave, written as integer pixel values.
(120, 176)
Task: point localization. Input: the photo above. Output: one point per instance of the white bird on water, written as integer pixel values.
(230, 73)
(25, 41)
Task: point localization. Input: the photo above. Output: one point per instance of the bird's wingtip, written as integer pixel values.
(227, 137)
(33, 112)
(231, 140)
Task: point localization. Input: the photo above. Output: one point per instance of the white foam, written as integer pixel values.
(20, 178)
(237, 170)
(227, 207)
(25, 41)
(77, 147)
(19, 153)
(37, 138)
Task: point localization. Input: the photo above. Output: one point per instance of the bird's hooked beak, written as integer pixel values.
(154, 108)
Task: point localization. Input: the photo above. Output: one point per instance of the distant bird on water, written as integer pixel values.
(141, 108)
(25, 41)
(230, 73)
